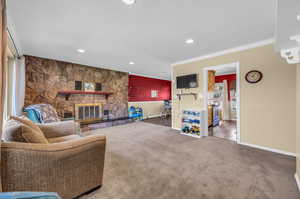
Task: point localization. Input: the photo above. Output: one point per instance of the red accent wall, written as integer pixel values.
(139, 89)
(231, 79)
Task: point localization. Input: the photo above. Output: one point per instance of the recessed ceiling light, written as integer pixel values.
(298, 17)
(81, 50)
(129, 2)
(131, 63)
(189, 41)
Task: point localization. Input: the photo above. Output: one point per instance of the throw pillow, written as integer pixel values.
(30, 131)
(33, 136)
(26, 122)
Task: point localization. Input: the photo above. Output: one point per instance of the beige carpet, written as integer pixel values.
(147, 161)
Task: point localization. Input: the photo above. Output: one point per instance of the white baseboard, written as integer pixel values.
(268, 149)
(152, 116)
(297, 181)
(178, 129)
(262, 148)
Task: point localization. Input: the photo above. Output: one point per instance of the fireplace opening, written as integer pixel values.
(106, 114)
(68, 114)
(88, 112)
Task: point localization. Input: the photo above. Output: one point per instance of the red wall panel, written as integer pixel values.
(139, 89)
(220, 78)
(230, 78)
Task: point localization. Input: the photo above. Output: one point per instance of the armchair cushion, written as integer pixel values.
(13, 130)
(58, 129)
(30, 131)
(63, 138)
(33, 136)
(27, 122)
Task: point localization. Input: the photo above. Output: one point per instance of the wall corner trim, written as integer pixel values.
(297, 181)
(268, 149)
(227, 51)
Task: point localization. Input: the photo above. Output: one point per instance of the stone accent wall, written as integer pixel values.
(45, 77)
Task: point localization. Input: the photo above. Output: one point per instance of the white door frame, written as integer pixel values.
(238, 89)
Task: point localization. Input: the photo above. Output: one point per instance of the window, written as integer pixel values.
(154, 93)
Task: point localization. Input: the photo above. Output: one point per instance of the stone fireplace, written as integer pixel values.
(46, 78)
(84, 112)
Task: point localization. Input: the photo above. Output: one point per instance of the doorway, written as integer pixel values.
(222, 101)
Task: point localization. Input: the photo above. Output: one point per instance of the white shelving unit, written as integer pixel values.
(193, 123)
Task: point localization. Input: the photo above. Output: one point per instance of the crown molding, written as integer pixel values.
(227, 51)
(149, 76)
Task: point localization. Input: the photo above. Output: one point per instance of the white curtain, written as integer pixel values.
(9, 88)
(18, 86)
(225, 102)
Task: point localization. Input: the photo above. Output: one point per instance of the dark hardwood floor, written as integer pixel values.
(226, 130)
(160, 121)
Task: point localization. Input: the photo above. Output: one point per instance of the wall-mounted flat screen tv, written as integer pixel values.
(187, 81)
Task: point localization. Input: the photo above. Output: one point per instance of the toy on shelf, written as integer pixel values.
(193, 123)
(136, 113)
(195, 130)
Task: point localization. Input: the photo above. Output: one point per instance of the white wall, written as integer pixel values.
(267, 108)
(150, 108)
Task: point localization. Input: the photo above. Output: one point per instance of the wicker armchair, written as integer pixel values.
(71, 165)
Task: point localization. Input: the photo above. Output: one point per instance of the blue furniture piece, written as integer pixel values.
(136, 113)
(167, 104)
(42, 113)
(167, 109)
(33, 115)
(29, 195)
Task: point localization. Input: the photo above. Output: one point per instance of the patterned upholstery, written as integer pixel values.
(71, 165)
(46, 112)
(13, 131)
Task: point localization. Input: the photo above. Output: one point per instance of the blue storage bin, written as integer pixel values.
(29, 195)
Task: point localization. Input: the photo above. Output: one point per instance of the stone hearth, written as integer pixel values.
(45, 77)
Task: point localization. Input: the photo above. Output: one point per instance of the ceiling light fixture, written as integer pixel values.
(189, 41)
(81, 50)
(131, 63)
(129, 2)
(298, 17)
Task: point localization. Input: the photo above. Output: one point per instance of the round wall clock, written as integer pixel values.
(253, 76)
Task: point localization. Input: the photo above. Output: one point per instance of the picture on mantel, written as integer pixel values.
(89, 86)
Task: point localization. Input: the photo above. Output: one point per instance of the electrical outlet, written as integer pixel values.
(295, 38)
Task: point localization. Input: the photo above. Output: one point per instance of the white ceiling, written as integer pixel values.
(287, 24)
(150, 33)
(228, 69)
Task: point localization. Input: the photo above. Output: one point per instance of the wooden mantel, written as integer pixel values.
(68, 93)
